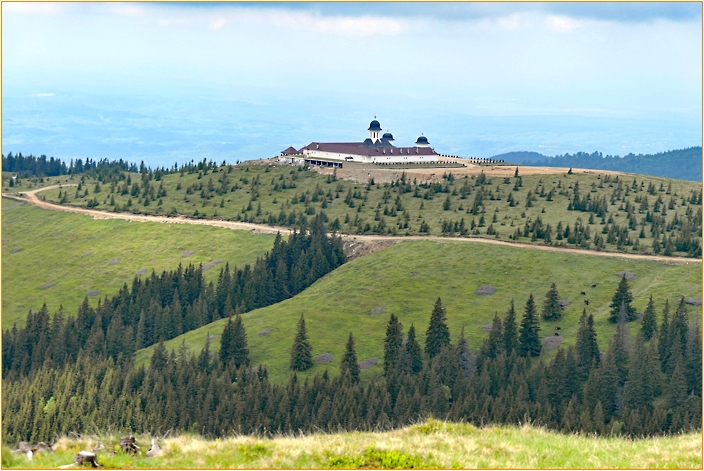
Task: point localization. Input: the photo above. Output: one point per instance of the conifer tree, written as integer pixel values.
(529, 331)
(693, 366)
(664, 335)
(622, 297)
(392, 344)
(618, 348)
(349, 366)
(438, 335)
(226, 343)
(552, 310)
(677, 394)
(414, 352)
(510, 332)
(240, 352)
(649, 325)
(587, 346)
(679, 327)
(301, 351)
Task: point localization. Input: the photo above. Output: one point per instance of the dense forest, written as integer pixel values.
(163, 307)
(648, 387)
(684, 164)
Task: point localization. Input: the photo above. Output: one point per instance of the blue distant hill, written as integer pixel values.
(684, 164)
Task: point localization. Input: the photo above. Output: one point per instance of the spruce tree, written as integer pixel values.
(438, 335)
(414, 352)
(226, 343)
(693, 366)
(587, 346)
(510, 332)
(240, 352)
(664, 335)
(649, 325)
(392, 344)
(529, 331)
(679, 327)
(349, 366)
(551, 308)
(622, 297)
(301, 356)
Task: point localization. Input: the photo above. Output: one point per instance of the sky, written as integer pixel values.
(172, 82)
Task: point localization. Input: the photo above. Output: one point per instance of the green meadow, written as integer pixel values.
(80, 254)
(272, 194)
(407, 278)
(426, 445)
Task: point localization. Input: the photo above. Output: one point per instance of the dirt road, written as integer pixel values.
(375, 241)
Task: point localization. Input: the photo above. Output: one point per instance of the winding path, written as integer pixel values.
(31, 197)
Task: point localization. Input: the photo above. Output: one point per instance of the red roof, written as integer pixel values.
(356, 148)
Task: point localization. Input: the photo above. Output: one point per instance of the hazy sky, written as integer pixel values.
(232, 81)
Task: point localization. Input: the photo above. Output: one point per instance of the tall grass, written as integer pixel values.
(430, 444)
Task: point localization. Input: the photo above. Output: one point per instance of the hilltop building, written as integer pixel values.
(374, 149)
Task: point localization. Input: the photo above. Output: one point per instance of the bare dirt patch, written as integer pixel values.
(264, 332)
(629, 276)
(212, 337)
(86, 254)
(564, 303)
(488, 328)
(354, 247)
(17, 250)
(378, 310)
(367, 363)
(553, 341)
(93, 292)
(210, 265)
(47, 285)
(484, 290)
(412, 274)
(187, 254)
(141, 271)
(115, 261)
(324, 357)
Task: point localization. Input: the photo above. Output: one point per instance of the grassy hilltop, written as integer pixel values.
(620, 213)
(407, 278)
(78, 254)
(428, 445)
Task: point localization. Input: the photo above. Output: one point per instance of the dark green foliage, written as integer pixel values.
(301, 351)
(164, 306)
(587, 348)
(664, 336)
(437, 335)
(622, 297)
(392, 344)
(414, 352)
(649, 325)
(684, 164)
(349, 368)
(552, 311)
(233, 343)
(529, 340)
(510, 330)
(693, 366)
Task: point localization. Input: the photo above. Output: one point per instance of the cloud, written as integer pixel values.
(510, 22)
(562, 24)
(318, 23)
(128, 9)
(218, 23)
(34, 8)
(459, 11)
(43, 94)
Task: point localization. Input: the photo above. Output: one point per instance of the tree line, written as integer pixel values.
(650, 387)
(163, 307)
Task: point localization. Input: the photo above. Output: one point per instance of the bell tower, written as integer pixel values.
(374, 130)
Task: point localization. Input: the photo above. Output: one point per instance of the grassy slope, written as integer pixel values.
(507, 217)
(53, 242)
(428, 445)
(342, 301)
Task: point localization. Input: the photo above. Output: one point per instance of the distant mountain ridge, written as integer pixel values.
(684, 164)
